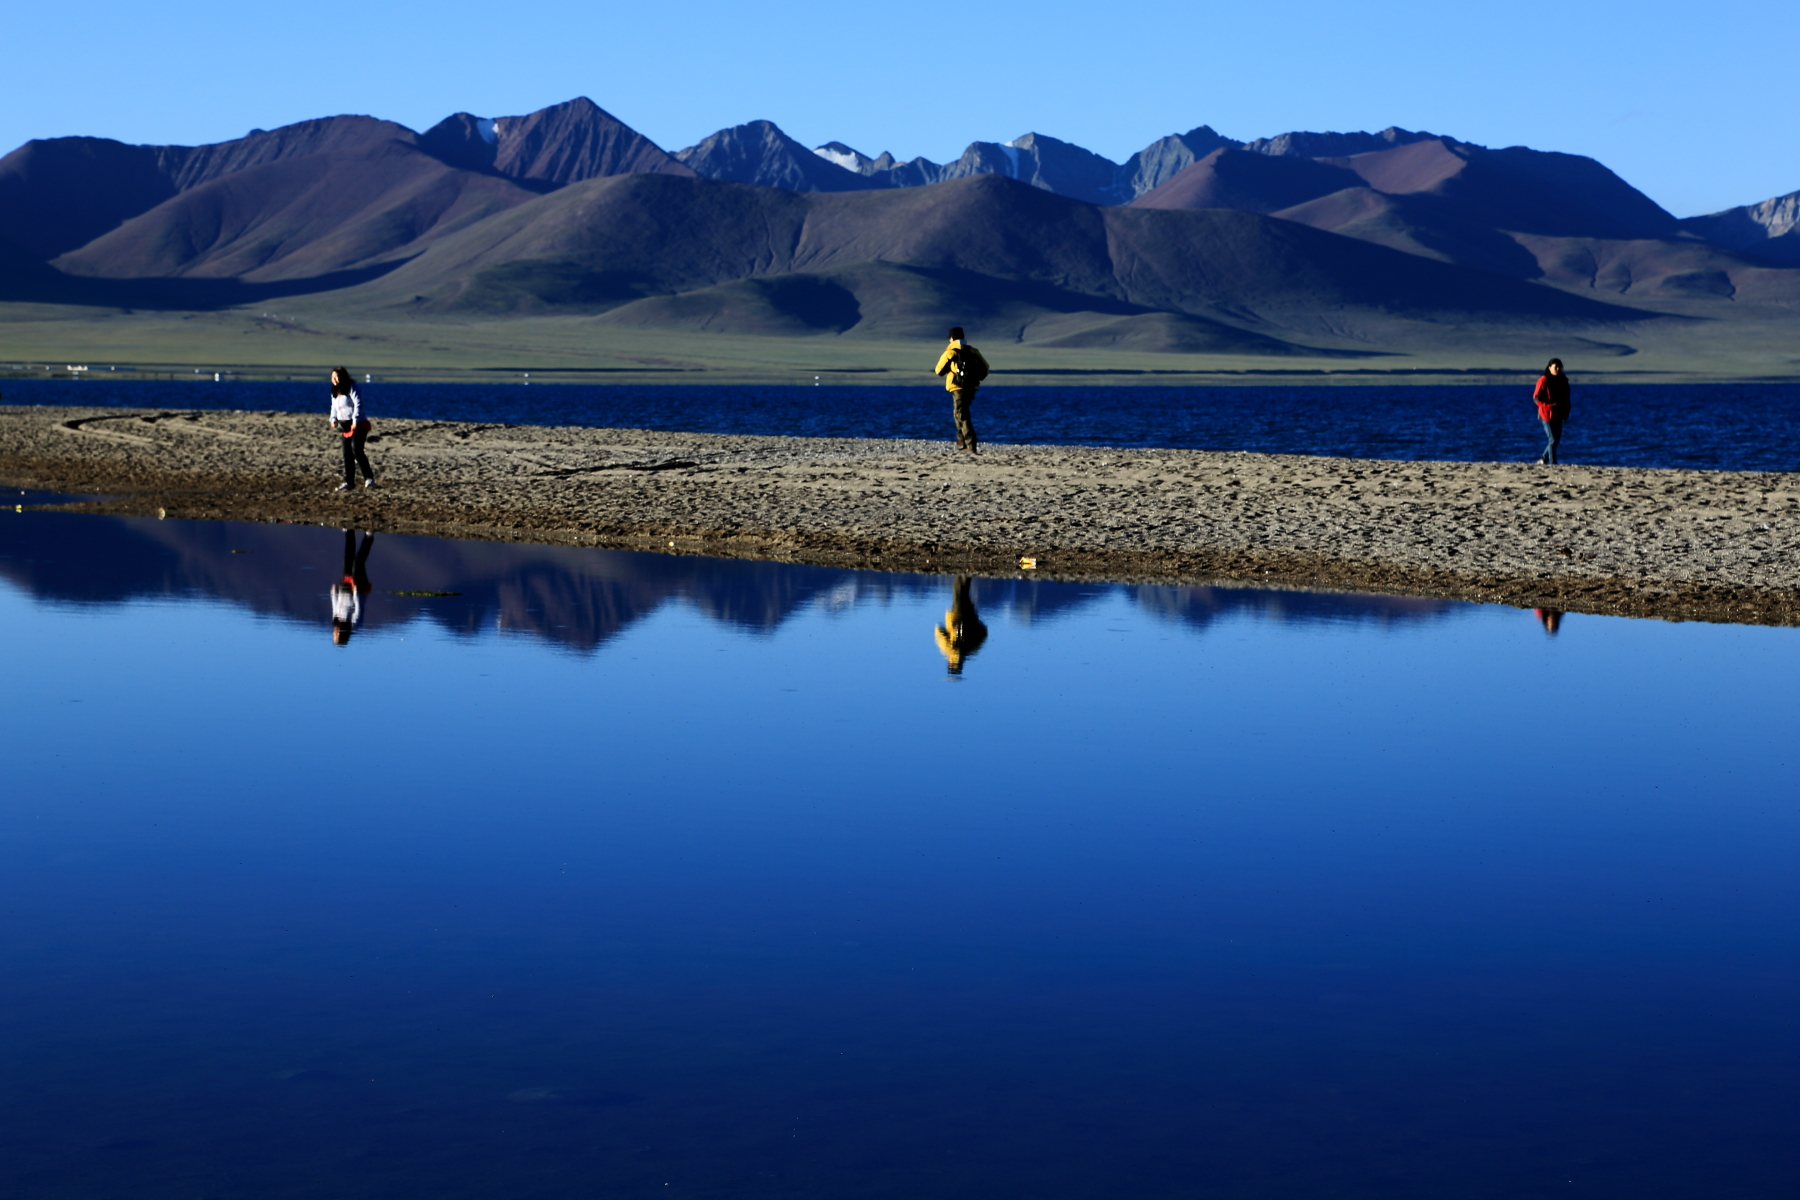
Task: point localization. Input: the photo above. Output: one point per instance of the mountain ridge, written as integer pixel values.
(1305, 242)
(1768, 231)
(759, 153)
(593, 248)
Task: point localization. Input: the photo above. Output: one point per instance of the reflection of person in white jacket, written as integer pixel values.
(347, 593)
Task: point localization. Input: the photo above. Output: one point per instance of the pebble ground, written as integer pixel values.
(1683, 544)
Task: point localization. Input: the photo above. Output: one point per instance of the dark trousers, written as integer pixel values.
(960, 399)
(1553, 435)
(356, 562)
(355, 456)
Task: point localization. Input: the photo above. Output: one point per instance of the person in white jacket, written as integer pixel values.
(351, 421)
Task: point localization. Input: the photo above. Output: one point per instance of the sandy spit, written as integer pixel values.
(1678, 544)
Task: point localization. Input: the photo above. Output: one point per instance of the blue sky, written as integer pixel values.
(1692, 105)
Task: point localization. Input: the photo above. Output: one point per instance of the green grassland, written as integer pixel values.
(276, 343)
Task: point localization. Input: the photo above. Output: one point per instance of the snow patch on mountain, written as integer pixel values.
(840, 155)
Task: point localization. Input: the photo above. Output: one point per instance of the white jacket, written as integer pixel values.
(346, 605)
(347, 407)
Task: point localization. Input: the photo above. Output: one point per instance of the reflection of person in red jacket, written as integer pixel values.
(1552, 396)
(1551, 618)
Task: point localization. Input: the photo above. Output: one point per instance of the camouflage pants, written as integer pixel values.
(960, 400)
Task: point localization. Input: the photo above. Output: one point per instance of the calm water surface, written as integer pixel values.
(621, 875)
(1713, 427)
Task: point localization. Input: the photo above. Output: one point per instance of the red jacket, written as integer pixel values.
(1552, 399)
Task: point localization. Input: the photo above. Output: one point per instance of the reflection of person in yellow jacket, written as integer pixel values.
(962, 632)
(963, 369)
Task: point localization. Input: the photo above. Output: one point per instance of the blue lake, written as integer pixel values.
(617, 874)
(1718, 427)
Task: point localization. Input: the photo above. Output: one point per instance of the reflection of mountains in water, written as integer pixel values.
(1201, 606)
(578, 597)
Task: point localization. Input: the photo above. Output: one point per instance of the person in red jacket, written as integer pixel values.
(1552, 396)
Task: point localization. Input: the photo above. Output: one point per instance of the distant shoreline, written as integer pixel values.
(876, 376)
(1719, 546)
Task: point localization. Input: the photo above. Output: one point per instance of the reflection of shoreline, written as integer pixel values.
(572, 596)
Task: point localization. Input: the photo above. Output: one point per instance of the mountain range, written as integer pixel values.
(1298, 243)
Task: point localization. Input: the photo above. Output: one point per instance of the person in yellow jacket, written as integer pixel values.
(963, 369)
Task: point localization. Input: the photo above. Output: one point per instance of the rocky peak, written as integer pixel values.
(1335, 145)
(572, 141)
(1768, 232)
(760, 153)
(1166, 158)
(1064, 168)
(463, 140)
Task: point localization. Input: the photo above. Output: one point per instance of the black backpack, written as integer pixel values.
(966, 371)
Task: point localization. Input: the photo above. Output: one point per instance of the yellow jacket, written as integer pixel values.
(943, 367)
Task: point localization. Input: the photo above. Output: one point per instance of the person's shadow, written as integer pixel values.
(347, 593)
(962, 632)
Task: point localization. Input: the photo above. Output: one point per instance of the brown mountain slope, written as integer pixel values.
(675, 235)
(1220, 261)
(299, 216)
(1656, 269)
(893, 259)
(1528, 191)
(1555, 218)
(1239, 179)
(60, 193)
(1447, 182)
(1640, 268)
(888, 302)
(24, 276)
(1408, 224)
(346, 137)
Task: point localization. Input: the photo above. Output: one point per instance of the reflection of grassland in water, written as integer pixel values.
(278, 344)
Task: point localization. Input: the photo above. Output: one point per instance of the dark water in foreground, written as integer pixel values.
(1737, 427)
(623, 875)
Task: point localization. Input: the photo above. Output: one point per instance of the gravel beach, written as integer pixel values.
(1676, 544)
